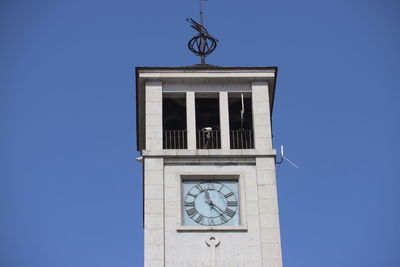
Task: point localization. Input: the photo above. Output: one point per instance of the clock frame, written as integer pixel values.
(212, 202)
(229, 210)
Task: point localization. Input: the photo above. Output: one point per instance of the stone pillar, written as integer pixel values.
(268, 212)
(261, 115)
(154, 212)
(154, 134)
(224, 120)
(191, 120)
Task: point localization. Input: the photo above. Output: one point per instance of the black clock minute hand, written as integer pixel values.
(217, 208)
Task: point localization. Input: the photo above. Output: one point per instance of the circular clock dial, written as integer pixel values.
(211, 203)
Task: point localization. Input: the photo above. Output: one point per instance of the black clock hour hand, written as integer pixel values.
(209, 202)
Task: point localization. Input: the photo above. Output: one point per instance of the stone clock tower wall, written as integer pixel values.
(171, 157)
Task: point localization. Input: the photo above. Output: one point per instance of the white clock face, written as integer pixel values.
(210, 203)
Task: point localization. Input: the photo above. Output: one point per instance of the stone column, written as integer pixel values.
(224, 120)
(154, 212)
(268, 212)
(261, 115)
(191, 120)
(154, 134)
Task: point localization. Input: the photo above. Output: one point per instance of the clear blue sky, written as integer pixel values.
(70, 189)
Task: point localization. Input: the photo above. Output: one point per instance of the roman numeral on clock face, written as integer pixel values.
(190, 204)
(232, 203)
(229, 194)
(223, 219)
(230, 212)
(200, 188)
(191, 212)
(190, 194)
(199, 219)
(222, 186)
(211, 222)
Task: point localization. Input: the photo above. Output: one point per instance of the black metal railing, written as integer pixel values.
(208, 139)
(175, 139)
(241, 139)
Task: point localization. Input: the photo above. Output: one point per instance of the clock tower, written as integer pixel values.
(210, 198)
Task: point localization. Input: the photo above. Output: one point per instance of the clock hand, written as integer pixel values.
(217, 208)
(209, 202)
(213, 207)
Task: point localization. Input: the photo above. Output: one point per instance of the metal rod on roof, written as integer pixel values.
(242, 113)
(202, 41)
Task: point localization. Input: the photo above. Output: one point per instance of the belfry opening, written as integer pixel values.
(240, 120)
(208, 130)
(174, 121)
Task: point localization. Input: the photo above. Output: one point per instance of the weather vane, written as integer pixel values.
(203, 43)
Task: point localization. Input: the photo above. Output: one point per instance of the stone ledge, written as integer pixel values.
(210, 152)
(242, 228)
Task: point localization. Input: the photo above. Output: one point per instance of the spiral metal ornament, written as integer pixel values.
(203, 44)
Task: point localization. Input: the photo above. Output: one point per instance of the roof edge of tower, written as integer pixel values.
(205, 67)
